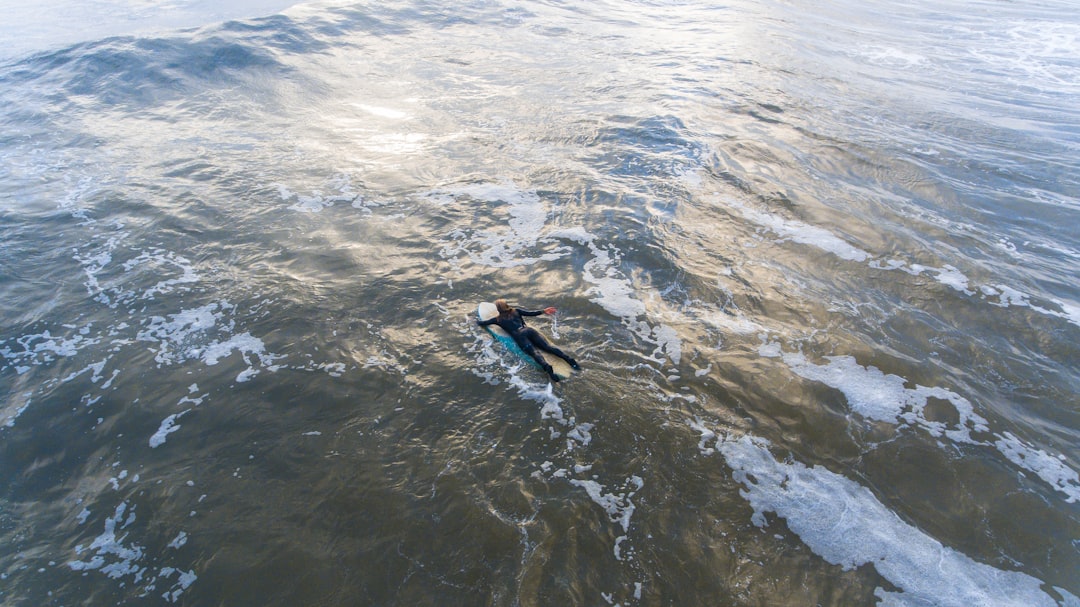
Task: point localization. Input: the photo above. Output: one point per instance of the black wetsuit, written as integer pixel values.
(527, 338)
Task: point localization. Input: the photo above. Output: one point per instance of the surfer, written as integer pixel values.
(528, 339)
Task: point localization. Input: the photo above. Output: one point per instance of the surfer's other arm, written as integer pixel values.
(549, 310)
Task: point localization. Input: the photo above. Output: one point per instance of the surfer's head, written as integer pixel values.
(502, 306)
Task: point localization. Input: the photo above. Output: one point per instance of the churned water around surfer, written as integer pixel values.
(817, 263)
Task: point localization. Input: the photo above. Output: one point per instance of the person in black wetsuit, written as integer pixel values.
(527, 338)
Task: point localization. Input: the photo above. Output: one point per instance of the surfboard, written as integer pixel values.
(486, 310)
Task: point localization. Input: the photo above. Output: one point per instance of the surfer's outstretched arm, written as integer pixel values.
(547, 310)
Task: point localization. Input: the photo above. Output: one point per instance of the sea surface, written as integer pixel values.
(818, 260)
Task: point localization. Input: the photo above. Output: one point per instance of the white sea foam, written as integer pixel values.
(246, 345)
(168, 426)
(97, 368)
(618, 505)
(187, 334)
(195, 400)
(1050, 468)
(176, 270)
(176, 333)
(1007, 296)
(886, 397)
(184, 579)
(847, 525)
(10, 422)
(501, 247)
(42, 348)
(615, 293)
(947, 274)
(112, 557)
(550, 405)
(707, 436)
(610, 290)
(953, 278)
(892, 57)
(178, 541)
(159, 258)
(45, 343)
(333, 369)
(730, 322)
(93, 265)
(317, 201)
(800, 232)
(1070, 312)
(580, 434)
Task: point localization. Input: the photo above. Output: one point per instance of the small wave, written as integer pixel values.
(847, 525)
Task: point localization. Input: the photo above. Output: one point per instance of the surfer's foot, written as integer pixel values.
(573, 364)
(551, 373)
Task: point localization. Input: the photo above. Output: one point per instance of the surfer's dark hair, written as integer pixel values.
(502, 306)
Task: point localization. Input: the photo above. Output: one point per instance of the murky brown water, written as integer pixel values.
(818, 266)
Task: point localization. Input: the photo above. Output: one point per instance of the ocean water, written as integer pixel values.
(818, 262)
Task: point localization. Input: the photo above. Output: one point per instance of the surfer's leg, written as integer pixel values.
(538, 340)
(526, 346)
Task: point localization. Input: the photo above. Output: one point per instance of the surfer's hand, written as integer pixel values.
(550, 310)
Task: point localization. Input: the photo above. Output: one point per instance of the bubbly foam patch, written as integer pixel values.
(317, 201)
(168, 426)
(503, 246)
(844, 523)
(802, 233)
(39, 348)
(886, 397)
(10, 421)
(100, 266)
(616, 294)
(947, 275)
(204, 333)
(165, 259)
(113, 555)
(175, 333)
(1048, 467)
(806, 234)
(1007, 296)
(891, 57)
(619, 506)
(1036, 52)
